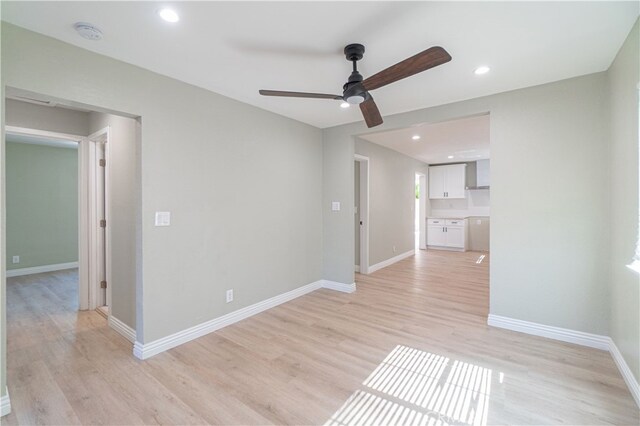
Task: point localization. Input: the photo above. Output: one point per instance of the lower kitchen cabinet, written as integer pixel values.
(447, 234)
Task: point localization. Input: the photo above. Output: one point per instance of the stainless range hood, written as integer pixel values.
(478, 175)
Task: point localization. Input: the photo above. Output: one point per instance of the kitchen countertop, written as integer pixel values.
(448, 217)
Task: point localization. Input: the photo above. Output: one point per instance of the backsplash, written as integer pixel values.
(476, 204)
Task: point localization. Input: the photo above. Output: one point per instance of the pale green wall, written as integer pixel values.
(623, 79)
(42, 204)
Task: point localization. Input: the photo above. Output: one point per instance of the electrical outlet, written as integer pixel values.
(16, 259)
(229, 296)
(394, 249)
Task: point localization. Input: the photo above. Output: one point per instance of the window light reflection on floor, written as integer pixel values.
(416, 387)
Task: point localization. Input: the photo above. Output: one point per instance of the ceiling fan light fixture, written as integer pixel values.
(482, 70)
(355, 99)
(415, 137)
(345, 105)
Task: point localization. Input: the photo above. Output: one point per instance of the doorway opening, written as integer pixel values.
(42, 219)
(98, 227)
(56, 212)
(361, 214)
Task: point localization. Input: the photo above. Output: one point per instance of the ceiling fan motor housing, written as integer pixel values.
(354, 52)
(353, 91)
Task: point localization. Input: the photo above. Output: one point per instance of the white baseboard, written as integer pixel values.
(627, 375)
(391, 261)
(5, 404)
(147, 350)
(445, 248)
(40, 269)
(122, 328)
(572, 336)
(557, 333)
(333, 285)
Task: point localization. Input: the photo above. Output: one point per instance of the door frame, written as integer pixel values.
(96, 253)
(422, 209)
(364, 212)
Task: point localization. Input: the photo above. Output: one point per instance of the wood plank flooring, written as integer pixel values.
(411, 346)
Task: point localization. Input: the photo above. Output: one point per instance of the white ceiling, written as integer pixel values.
(465, 139)
(236, 48)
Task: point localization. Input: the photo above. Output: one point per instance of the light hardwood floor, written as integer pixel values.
(410, 346)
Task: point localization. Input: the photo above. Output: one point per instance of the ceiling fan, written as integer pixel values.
(356, 90)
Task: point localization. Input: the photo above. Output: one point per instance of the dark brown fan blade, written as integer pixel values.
(371, 113)
(432, 57)
(299, 94)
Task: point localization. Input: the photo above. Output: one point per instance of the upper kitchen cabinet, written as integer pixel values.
(447, 181)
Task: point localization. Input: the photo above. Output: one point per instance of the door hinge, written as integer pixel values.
(103, 223)
(103, 284)
(102, 162)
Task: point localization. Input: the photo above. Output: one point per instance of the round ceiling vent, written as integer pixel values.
(88, 31)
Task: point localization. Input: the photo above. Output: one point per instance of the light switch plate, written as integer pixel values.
(163, 218)
(335, 206)
(15, 259)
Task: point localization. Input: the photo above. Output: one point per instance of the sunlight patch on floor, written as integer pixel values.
(416, 387)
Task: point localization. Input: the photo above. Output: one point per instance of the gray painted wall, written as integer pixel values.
(236, 179)
(42, 205)
(24, 114)
(391, 200)
(124, 206)
(557, 275)
(337, 231)
(623, 79)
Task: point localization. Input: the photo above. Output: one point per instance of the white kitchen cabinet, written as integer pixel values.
(447, 234)
(435, 232)
(447, 181)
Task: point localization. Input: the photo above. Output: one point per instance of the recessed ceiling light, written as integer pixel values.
(345, 105)
(481, 70)
(169, 15)
(450, 157)
(415, 137)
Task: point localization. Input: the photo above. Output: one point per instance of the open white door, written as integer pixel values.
(98, 221)
(364, 213)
